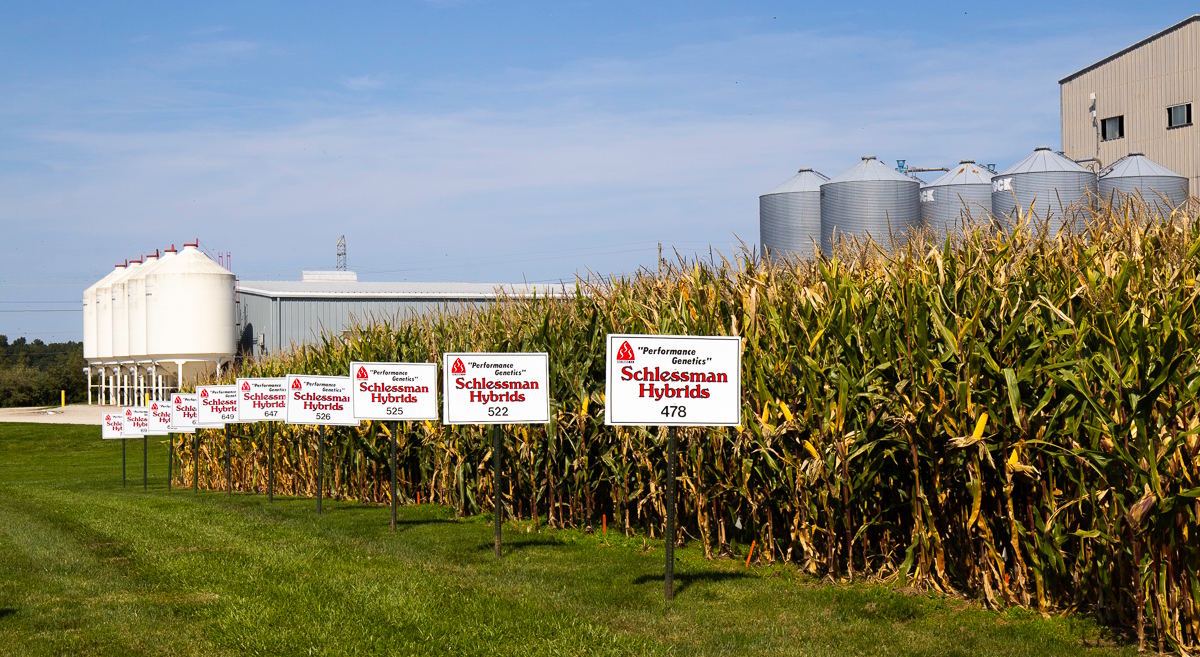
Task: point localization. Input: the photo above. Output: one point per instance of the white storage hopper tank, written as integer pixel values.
(103, 301)
(91, 314)
(135, 305)
(789, 216)
(961, 195)
(870, 199)
(1057, 189)
(190, 311)
(120, 312)
(1137, 176)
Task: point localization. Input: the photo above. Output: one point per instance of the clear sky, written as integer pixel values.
(486, 141)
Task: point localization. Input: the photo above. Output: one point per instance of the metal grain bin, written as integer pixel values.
(1136, 175)
(1057, 189)
(789, 216)
(961, 195)
(872, 200)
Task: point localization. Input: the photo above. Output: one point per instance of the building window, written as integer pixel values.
(1179, 115)
(1112, 128)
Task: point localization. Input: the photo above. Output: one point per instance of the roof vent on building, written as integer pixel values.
(329, 277)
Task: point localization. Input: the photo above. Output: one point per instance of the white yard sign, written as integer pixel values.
(113, 424)
(673, 380)
(137, 422)
(496, 388)
(262, 400)
(394, 391)
(160, 418)
(319, 400)
(183, 413)
(216, 406)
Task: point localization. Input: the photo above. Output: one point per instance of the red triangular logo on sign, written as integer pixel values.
(295, 384)
(178, 399)
(625, 353)
(154, 407)
(246, 386)
(458, 367)
(204, 392)
(108, 418)
(129, 412)
(362, 372)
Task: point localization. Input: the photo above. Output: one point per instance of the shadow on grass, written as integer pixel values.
(686, 579)
(7, 611)
(403, 525)
(519, 544)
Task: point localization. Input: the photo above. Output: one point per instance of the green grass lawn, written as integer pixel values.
(89, 567)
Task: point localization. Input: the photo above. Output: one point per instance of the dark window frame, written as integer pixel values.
(1104, 136)
(1187, 119)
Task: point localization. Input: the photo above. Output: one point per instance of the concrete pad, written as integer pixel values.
(72, 414)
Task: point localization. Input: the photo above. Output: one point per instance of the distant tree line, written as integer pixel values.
(33, 373)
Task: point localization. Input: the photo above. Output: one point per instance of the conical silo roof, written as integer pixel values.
(870, 169)
(966, 173)
(961, 196)
(191, 309)
(1136, 175)
(789, 216)
(805, 180)
(869, 199)
(1137, 165)
(1041, 160)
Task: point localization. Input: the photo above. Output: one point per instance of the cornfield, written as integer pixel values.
(1007, 414)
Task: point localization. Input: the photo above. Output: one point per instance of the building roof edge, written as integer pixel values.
(1190, 19)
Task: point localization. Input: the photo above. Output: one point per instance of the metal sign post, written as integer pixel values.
(137, 425)
(395, 429)
(672, 474)
(270, 462)
(321, 401)
(216, 407)
(263, 400)
(145, 460)
(673, 381)
(320, 464)
(112, 427)
(183, 421)
(496, 483)
(170, 458)
(196, 462)
(496, 389)
(228, 464)
(394, 391)
(159, 425)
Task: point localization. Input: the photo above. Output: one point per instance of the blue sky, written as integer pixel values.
(485, 141)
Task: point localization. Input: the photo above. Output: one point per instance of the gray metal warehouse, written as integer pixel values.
(274, 316)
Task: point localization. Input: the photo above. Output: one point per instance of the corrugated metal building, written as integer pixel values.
(274, 316)
(1139, 100)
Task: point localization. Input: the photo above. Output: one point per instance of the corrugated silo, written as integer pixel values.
(789, 216)
(961, 195)
(1058, 190)
(869, 199)
(1137, 175)
(190, 312)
